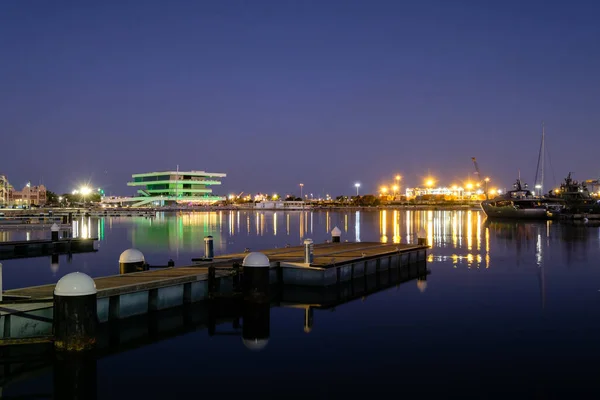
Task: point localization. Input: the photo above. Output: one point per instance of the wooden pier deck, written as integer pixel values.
(138, 293)
(123, 284)
(331, 254)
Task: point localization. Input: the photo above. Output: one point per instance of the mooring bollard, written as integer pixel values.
(208, 247)
(75, 313)
(256, 276)
(54, 229)
(308, 251)
(131, 260)
(422, 237)
(256, 325)
(336, 235)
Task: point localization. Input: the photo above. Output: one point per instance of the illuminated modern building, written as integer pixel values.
(182, 187)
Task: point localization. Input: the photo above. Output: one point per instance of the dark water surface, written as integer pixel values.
(509, 310)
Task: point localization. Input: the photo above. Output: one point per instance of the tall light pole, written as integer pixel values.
(357, 185)
(301, 186)
(486, 180)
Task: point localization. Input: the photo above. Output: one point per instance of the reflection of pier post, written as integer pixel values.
(256, 324)
(75, 376)
(308, 319)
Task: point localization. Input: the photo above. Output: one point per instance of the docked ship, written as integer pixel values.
(579, 202)
(520, 203)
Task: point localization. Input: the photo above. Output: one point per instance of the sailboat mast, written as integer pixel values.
(543, 156)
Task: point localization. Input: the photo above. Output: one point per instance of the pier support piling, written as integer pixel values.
(75, 313)
(256, 277)
(132, 260)
(54, 229)
(336, 235)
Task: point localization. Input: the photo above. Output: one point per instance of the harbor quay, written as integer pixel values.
(235, 317)
(310, 272)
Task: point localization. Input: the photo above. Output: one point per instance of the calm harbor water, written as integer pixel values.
(509, 309)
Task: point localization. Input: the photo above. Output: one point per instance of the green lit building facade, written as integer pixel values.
(183, 187)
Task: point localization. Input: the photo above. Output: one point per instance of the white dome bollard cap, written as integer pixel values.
(75, 284)
(255, 344)
(336, 232)
(54, 228)
(131, 256)
(256, 259)
(308, 241)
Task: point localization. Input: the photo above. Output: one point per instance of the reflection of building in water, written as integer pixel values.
(183, 231)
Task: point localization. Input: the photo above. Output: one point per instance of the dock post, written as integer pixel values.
(75, 313)
(131, 260)
(208, 247)
(0, 281)
(256, 276)
(308, 251)
(422, 237)
(54, 229)
(336, 235)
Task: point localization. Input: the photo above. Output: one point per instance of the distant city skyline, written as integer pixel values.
(276, 93)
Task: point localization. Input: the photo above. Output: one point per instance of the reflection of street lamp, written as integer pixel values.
(357, 185)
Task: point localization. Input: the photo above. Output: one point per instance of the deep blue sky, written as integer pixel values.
(279, 92)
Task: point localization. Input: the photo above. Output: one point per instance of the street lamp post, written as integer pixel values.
(486, 180)
(301, 186)
(357, 185)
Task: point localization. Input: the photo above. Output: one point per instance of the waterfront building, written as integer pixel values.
(281, 205)
(171, 187)
(3, 191)
(446, 193)
(28, 196)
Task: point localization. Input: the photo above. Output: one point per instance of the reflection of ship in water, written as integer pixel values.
(75, 376)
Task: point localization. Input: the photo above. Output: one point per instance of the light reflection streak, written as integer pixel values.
(396, 216)
(469, 231)
(430, 228)
(357, 226)
(383, 226)
(274, 224)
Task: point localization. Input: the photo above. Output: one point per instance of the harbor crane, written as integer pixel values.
(481, 180)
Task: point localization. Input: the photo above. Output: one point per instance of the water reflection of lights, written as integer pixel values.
(357, 226)
(274, 224)
(430, 228)
(396, 237)
(383, 226)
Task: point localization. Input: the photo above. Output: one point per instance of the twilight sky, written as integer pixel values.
(274, 93)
